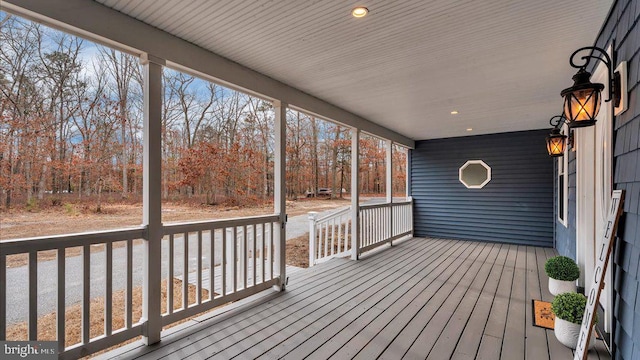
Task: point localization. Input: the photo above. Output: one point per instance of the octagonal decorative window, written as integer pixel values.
(475, 174)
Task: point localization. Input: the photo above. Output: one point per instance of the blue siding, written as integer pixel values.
(515, 207)
(622, 26)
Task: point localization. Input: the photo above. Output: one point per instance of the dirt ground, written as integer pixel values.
(75, 218)
(298, 251)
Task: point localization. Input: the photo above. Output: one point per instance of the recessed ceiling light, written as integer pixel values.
(454, 112)
(469, 129)
(359, 11)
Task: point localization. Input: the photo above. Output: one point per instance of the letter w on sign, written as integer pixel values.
(603, 250)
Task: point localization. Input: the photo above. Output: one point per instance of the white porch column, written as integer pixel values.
(389, 161)
(279, 201)
(408, 185)
(389, 183)
(355, 194)
(152, 192)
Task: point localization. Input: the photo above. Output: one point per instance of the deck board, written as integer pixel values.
(375, 292)
(536, 337)
(491, 342)
(408, 304)
(450, 336)
(375, 312)
(513, 344)
(422, 298)
(249, 322)
(434, 328)
(388, 324)
(346, 338)
(348, 294)
(414, 328)
(469, 343)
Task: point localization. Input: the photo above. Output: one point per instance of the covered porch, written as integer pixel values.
(421, 298)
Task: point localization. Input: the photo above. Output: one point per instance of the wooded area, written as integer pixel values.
(71, 123)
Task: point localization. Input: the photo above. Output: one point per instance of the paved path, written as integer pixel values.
(299, 225)
(17, 283)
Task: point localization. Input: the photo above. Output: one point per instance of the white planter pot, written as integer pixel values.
(560, 286)
(567, 333)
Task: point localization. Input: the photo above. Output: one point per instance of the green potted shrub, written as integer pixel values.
(563, 273)
(569, 310)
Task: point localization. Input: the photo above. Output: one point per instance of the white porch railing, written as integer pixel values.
(244, 253)
(330, 236)
(383, 223)
(60, 244)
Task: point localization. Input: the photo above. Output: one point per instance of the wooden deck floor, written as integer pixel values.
(423, 298)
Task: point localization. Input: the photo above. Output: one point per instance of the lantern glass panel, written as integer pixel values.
(556, 145)
(582, 105)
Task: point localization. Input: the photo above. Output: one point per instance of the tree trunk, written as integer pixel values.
(334, 160)
(125, 180)
(341, 177)
(265, 176)
(41, 182)
(29, 181)
(99, 191)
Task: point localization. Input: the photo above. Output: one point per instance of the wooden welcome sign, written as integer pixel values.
(605, 246)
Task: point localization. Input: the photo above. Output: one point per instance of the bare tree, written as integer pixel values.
(59, 68)
(22, 127)
(122, 69)
(195, 99)
(90, 98)
(262, 112)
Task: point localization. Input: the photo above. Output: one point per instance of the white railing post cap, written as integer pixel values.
(313, 215)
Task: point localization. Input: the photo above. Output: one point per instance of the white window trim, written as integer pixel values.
(563, 163)
(472, 162)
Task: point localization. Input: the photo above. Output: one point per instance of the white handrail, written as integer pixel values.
(384, 205)
(218, 224)
(333, 214)
(53, 242)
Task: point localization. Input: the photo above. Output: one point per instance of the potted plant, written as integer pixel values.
(569, 310)
(563, 273)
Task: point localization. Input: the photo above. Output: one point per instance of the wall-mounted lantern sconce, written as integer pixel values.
(582, 100)
(556, 141)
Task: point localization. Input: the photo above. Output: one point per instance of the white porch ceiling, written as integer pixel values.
(406, 65)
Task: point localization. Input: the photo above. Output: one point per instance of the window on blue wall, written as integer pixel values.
(563, 185)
